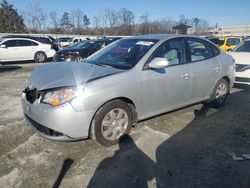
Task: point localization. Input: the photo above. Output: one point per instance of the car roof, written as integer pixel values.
(20, 39)
(162, 36)
(156, 36)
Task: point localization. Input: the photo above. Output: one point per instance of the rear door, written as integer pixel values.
(205, 67)
(169, 88)
(26, 49)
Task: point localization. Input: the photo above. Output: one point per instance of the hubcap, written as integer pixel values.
(221, 92)
(40, 57)
(114, 124)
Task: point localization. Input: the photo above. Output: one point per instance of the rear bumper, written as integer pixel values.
(50, 53)
(56, 123)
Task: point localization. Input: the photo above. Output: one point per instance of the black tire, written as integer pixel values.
(216, 101)
(40, 57)
(97, 122)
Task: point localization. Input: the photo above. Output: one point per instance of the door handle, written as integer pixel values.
(216, 69)
(185, 76)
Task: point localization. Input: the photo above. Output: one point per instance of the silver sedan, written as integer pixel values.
(130, 80)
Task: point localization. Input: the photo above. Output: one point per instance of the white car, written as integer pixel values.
(20, 49)
(241, 54)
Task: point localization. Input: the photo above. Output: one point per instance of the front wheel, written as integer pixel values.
(220, 93)
(111, 121)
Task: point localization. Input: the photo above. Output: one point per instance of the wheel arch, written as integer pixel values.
(125, 99)
(40, 51)
(227, 79)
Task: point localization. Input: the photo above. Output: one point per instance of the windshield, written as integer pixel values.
(216, 41)
(221, 41)
(84, 44)
(123, 54)
(64, 39)
(242, 47)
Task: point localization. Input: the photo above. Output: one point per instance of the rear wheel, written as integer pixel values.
(39, 57)
(111, 121)
(220, 93)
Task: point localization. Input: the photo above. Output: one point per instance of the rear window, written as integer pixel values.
(26, 43)
(233, 41)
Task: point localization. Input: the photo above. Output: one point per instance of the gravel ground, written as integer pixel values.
(192, 147)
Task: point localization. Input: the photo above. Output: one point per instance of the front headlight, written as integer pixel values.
(59, 97)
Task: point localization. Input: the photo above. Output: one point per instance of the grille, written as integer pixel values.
(43, 129)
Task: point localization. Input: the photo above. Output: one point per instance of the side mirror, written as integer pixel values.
(3, 46)
(158, 63)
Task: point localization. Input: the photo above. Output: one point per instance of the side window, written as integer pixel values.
(171, 50)
(233, 41)
(199, 50)
(23, 43)
(215, 50)
(10, 43)
(33, 43)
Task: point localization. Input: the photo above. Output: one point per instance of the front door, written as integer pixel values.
(9, 52)
(169, 88)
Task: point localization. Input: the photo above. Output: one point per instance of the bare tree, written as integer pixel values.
(54, 19)
(183, 19)
(96, 25)
(144, 24)
(37, 18)
(111, 17)
(76, 19)
(126, 21)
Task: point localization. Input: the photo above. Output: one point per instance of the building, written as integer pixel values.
(236, 30)
(182, 28)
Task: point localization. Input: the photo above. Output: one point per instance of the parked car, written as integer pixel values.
(109, 40)
(83, 50)
(216, 40)
(62, 41)
(19, 49)
(130, 80)
(45, 40)
(241, 54)
(229, 43)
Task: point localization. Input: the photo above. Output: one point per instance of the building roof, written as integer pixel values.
(182, 26)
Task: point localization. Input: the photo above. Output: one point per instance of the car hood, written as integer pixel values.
(241, 57)
(242, 61)
(48, 76)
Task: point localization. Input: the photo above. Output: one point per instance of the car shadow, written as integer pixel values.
(8, 68)
(129, 167)
(196, 156)
(199, 154)
(48, 60)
